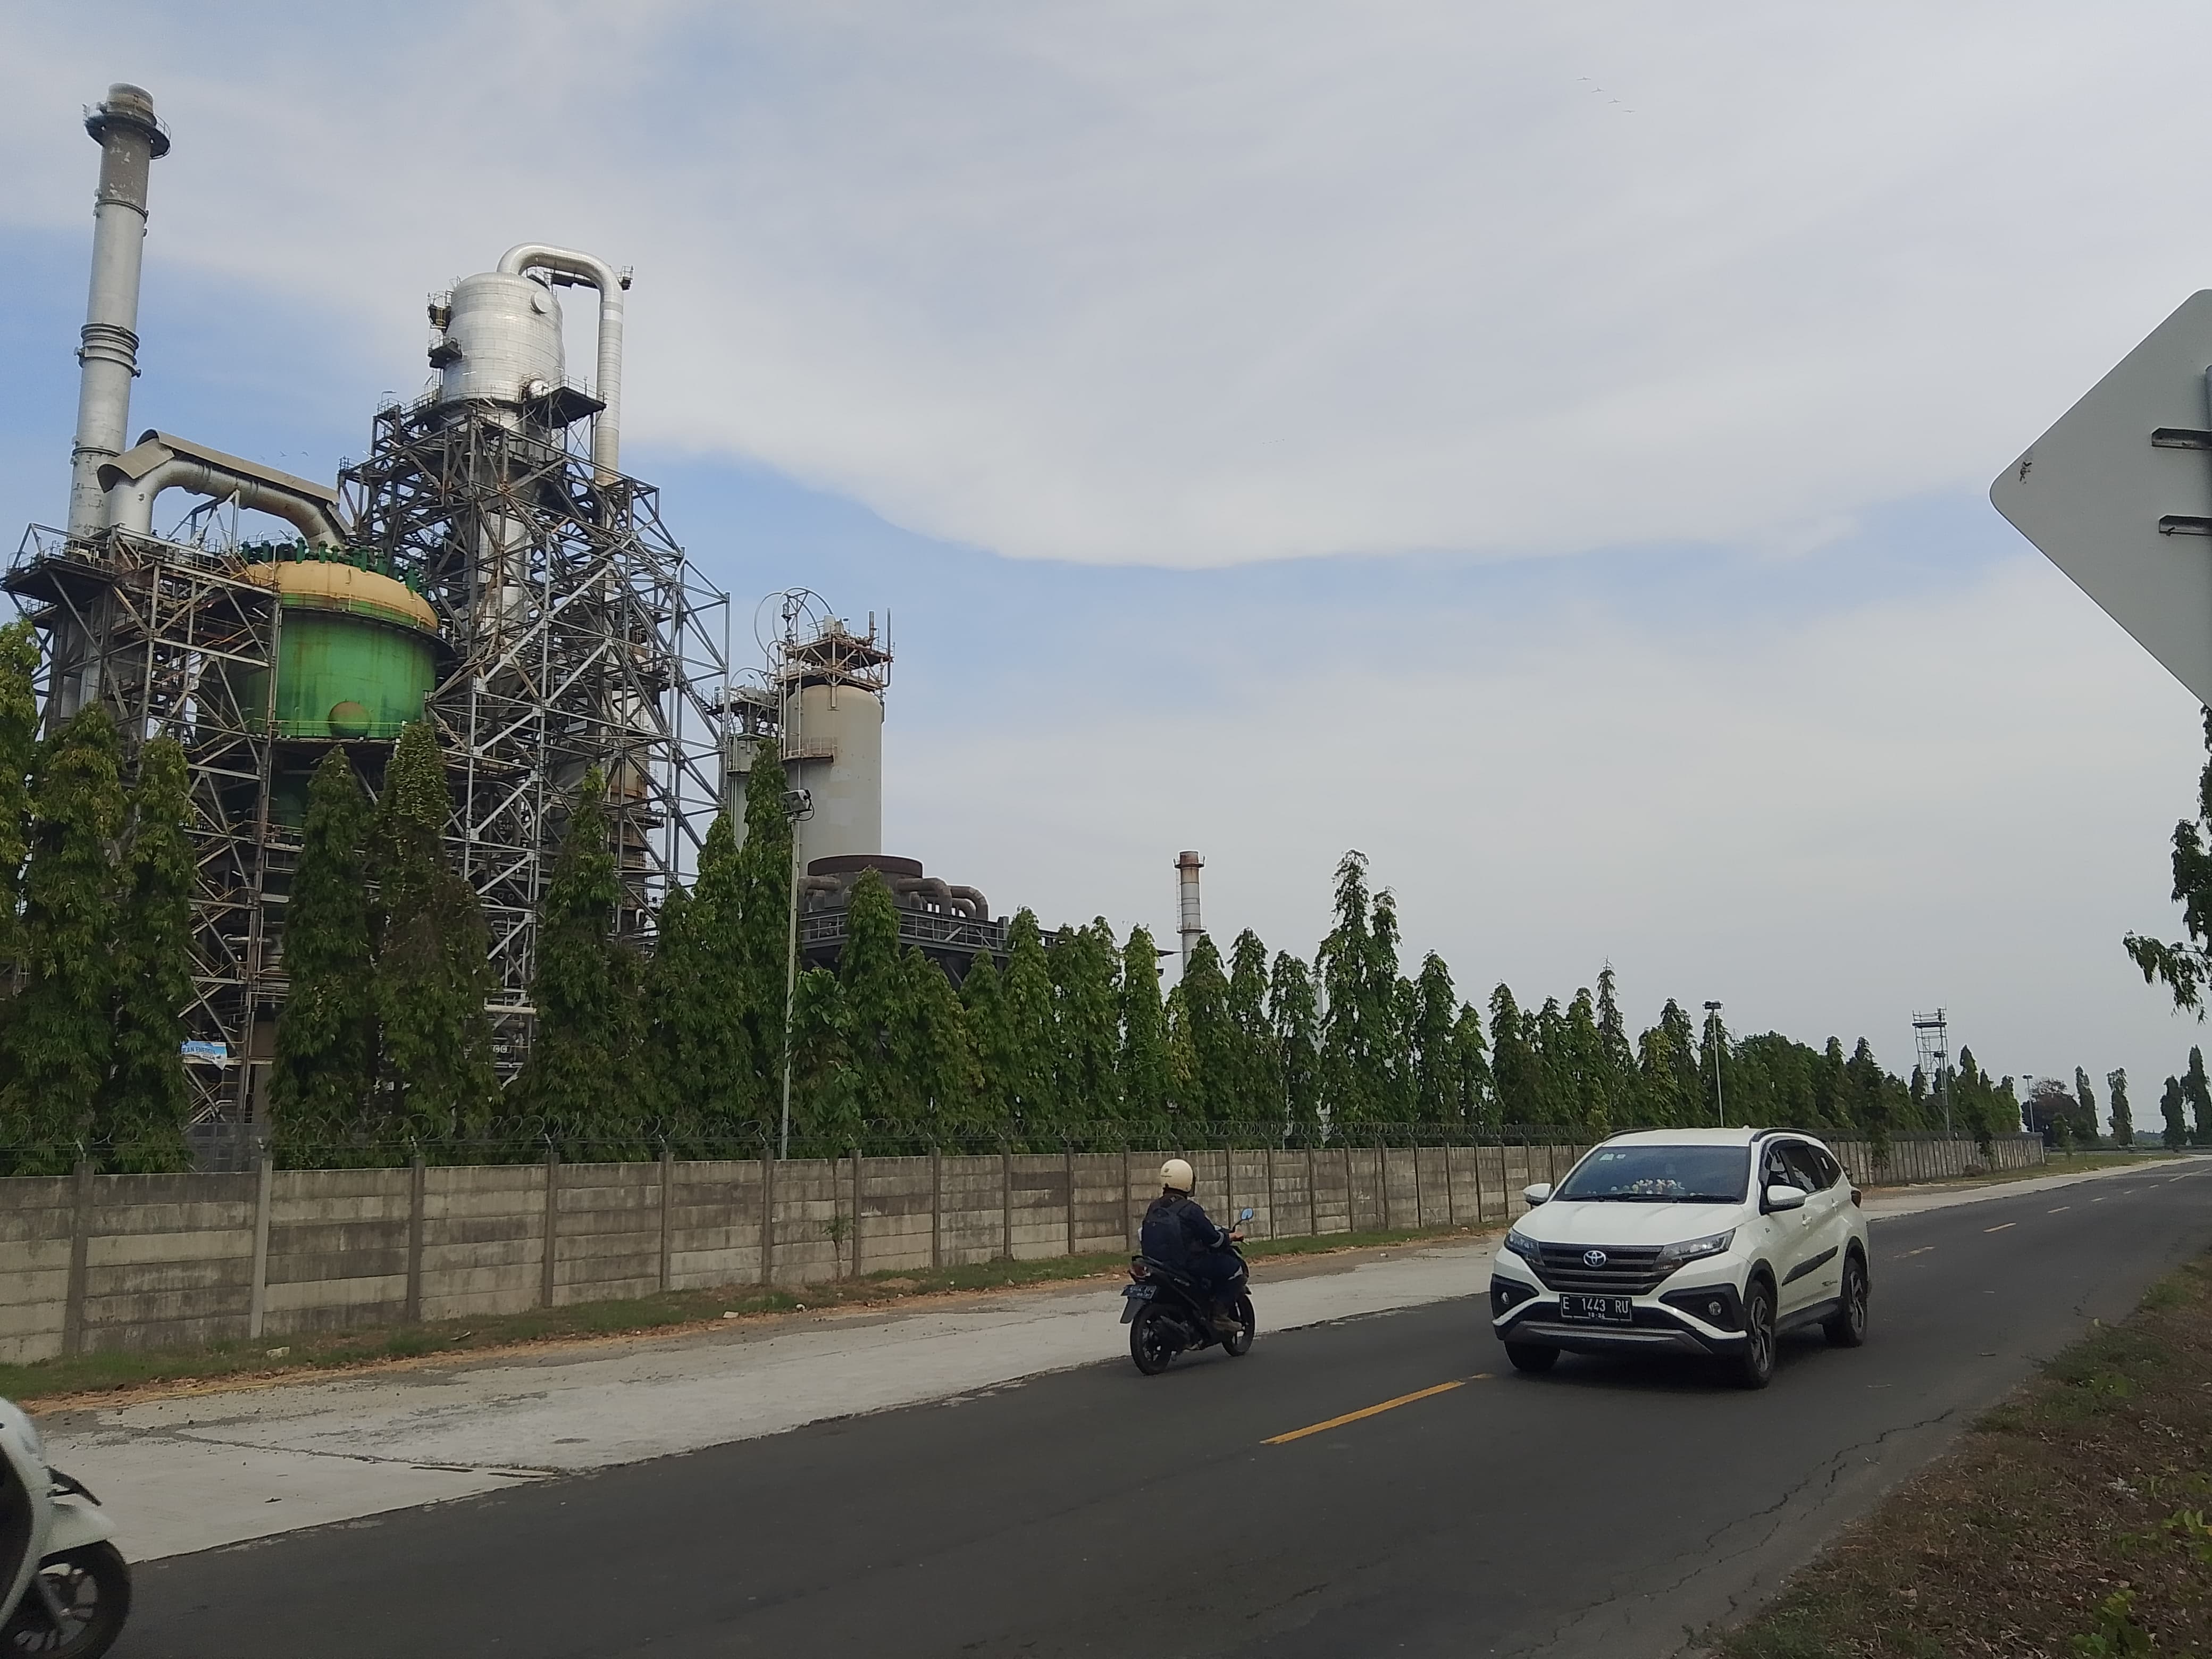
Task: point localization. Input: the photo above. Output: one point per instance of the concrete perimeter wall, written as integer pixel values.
(91, 1262)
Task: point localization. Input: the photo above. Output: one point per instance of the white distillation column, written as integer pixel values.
(130, 139)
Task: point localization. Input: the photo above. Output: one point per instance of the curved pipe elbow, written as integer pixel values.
(978, 906)
(606, 428)
(130, 501)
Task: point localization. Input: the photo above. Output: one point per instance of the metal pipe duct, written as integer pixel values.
(977, 905)
(159, 462)
(129, 140)
(568, 265)
(1188, 864)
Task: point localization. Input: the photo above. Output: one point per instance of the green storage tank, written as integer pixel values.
(356, 654)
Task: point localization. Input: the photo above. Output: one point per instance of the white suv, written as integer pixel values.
(1663, 1240)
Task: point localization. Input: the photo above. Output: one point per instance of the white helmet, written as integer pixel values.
(1176, 1175)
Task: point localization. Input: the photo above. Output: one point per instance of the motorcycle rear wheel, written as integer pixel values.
(93, 1585)
(1153, 1342)
(1248, 1322)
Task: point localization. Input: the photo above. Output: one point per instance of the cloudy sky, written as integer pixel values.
(1544, 447)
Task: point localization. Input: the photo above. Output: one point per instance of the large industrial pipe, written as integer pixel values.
(159, 462)
(566, 264)
(1188, 864)
(129, 140)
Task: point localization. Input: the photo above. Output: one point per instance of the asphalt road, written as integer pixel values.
(1597, 1510)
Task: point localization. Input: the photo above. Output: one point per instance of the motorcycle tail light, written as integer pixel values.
(1137, 1271)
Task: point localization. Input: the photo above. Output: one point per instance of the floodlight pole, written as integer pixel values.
(1713, 1019)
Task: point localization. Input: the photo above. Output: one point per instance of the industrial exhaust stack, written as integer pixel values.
(1188, 864)
(129, 140)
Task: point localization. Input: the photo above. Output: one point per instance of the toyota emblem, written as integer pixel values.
(1594, 1258)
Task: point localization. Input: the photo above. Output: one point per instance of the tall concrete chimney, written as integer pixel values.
(1188, 864)
(130, 139)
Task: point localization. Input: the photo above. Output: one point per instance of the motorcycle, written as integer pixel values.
(1168, 1312)
(64, 1588)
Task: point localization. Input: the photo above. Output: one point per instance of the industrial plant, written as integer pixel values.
(488, 566)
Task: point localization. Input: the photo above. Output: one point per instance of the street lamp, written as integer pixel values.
(1713, 1023)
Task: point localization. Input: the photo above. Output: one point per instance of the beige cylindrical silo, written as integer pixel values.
(834, 750)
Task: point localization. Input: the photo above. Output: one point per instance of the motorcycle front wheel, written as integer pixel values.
(1153, 1342)
(91, 1589)
(1248, 1322)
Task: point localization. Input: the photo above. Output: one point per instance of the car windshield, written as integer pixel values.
(1660, 1175)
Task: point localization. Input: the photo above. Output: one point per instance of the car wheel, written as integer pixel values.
(1849, 1326)
(1754, 1365)
(1528, 1357)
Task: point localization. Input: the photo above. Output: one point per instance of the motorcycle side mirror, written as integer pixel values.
(1247, 1214)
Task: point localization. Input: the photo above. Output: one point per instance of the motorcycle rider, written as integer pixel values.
(1178, 1233)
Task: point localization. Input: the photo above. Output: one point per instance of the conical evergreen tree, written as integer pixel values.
(436, 1085)
(825, 1100)
(752, 911)
(1085, 964)
(1143, 1062)
(146, 1103)
(326, 1041)
(1209, 1040)
(1477, 1106)
(2196, 1089)
(1295, 1022)
(2175, 1110)
(60, 1029)
(1616, 1063)
(1513, 1062)
(1257, 1090)
(1435, 1049)
(674, 1007)
(18, 743)
(735, 1011)
(948, 1081)
(997, 1064)
(2123, 1118)
(1352, 1015)
(878, 1019)
(1589, 1107)
(1025, 993)
(571, 1080)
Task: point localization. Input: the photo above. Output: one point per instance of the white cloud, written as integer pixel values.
(1150, 284)
(1827, 821)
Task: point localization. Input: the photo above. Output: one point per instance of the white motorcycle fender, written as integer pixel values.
(76, 1524)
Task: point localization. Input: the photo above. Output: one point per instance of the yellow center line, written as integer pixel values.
(2001, 1227)
(1372, 1411)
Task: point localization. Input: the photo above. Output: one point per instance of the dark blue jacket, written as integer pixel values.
(1178, 1233)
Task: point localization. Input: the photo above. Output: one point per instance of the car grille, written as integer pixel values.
(1628, 1269)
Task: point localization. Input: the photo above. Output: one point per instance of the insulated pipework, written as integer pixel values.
(1188, 864)
(568, 267)
(129, 140)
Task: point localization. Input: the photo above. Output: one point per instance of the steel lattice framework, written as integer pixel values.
(581, 639)
(169, 638)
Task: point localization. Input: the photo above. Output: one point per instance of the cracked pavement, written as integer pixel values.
(1044, 1504)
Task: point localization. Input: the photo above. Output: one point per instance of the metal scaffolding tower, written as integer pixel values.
(170, 638)
(1931, 1033)
(581, 640)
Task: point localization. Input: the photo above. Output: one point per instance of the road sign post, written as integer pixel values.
(2118, 493)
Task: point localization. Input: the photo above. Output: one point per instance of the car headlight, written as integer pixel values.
(1523, 1246)
(1691, 1249)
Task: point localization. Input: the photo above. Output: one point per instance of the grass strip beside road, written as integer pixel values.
(670, 1313)
(2072, 1520)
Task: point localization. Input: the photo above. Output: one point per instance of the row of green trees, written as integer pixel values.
(95, 938)
(385, 1048)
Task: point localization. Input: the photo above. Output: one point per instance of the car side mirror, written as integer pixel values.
(1779, 1197)
(1247, 1214)
(1539, 1194)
